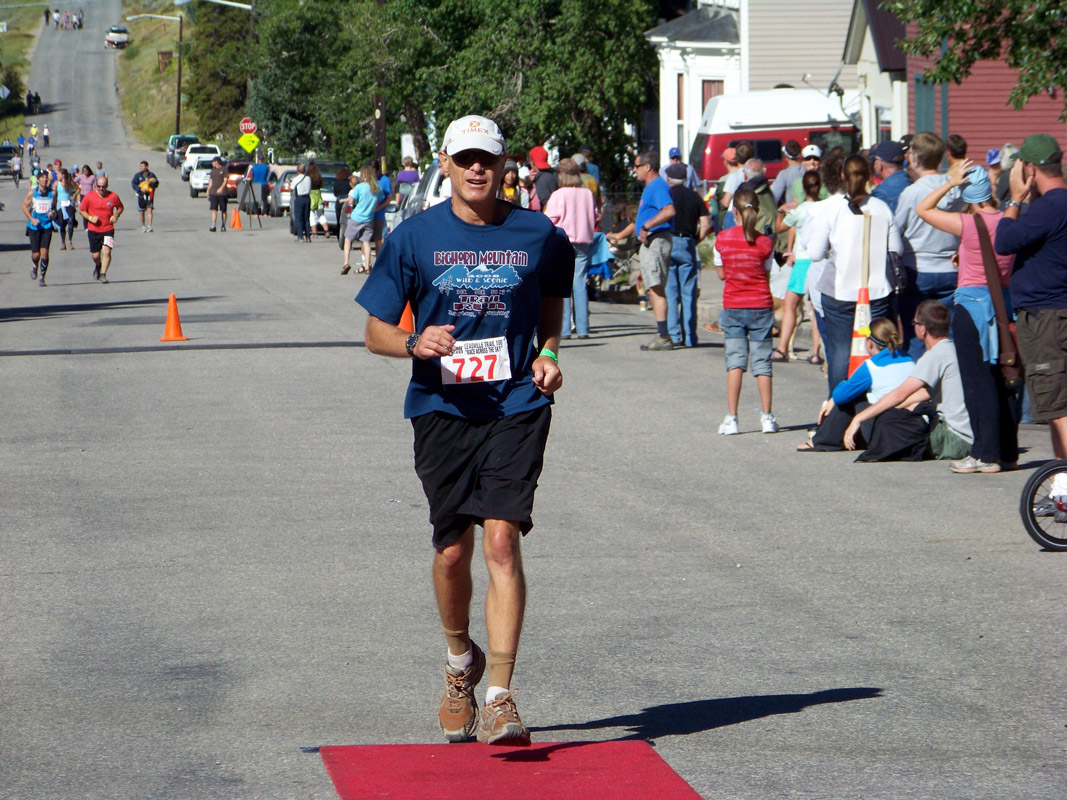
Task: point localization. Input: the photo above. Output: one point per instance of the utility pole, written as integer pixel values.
(379, 116)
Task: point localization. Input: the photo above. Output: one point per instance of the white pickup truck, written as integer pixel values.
(117, 36)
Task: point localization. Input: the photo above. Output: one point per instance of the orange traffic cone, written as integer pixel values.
(235, 220)
(173, 331)
(861, 329)
(407, 320)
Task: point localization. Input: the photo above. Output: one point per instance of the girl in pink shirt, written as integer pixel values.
(572, 207)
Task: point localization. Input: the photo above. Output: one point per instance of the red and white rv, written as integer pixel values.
(769, 119)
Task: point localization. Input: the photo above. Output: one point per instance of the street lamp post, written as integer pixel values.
(178, 102)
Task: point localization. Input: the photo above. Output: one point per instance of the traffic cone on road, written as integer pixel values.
(861, 329)
(235, 220)
(173, 331)
(407, 320)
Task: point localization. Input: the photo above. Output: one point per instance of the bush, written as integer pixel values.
(15, 103)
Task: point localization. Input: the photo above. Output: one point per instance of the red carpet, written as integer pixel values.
(544, 771)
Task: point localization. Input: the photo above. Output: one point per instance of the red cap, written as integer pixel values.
(539, 157)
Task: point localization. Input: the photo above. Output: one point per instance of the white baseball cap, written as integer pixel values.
(473, 133)
(811, 150)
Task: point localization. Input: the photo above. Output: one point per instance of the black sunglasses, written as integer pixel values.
(464, 158)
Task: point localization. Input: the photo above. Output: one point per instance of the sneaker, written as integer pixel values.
(971, 464)
(729, 426)
(459, 709)
(143, 228)
(148, 229)
(41, 281)
(769, 423)
(103, 278)
(659, 343)
(500, 724)
(33, 272)
(96, 273)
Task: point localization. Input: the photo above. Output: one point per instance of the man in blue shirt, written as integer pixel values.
(887, 162)
(653, 225)
(260, 176)
(486, 282)
(1039, 283)
(385, 197)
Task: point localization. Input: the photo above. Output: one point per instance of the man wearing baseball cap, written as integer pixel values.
(1039, 282)
(544, 177)
(887, 162)
(486, 281)
(810, 159)
(691, 179)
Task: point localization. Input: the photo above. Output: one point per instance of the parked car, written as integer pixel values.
(280, 195)
(200, 176)
(176, 147)
(7, 152)
(193, 151)
(116, 37)
(433, 188)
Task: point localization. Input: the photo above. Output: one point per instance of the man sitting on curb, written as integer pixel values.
(902, 432)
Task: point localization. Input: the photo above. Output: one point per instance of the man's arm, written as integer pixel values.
(891, 400)
(1014, 234)
(705, 228)
(666, 214)
(546, 375)
(385, 339)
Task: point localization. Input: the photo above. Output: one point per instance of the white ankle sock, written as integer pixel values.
(461, 661)
(494, 692)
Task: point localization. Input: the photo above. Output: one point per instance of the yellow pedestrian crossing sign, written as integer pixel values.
(249, 142)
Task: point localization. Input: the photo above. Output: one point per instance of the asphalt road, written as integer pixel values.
(216, 553)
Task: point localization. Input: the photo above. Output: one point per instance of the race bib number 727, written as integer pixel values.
(477, 361)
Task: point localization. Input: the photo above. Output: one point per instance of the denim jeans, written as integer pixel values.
(839, 316)
(747, 338)
(922, 286)
(681, 291)
(578, 294)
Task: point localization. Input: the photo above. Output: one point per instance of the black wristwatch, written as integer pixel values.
(409, 344)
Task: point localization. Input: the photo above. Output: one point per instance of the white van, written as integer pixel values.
(770, 119)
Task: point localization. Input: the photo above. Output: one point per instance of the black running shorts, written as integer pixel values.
(474, 470)
(217, 202)
(40, 238)
(96, 240)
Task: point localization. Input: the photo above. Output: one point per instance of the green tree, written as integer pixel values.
(218, 65)
(1028, 35)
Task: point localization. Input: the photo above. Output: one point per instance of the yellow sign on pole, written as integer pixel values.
(249, 142)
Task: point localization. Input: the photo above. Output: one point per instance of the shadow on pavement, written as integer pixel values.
(14, 247)
(167, 348)
(40, 312)
(684, 719)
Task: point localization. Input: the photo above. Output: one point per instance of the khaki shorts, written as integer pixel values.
(1042, 335)
(656, 260)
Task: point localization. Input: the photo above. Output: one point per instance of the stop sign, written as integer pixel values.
(247, 125)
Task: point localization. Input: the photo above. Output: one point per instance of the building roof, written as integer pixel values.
(702, 25)
(887, 31)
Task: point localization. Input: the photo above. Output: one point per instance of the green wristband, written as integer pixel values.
(546, 352)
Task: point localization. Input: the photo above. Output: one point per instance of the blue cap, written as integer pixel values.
(892, 152)
(992, 156)
(674, 153)
(977, 188)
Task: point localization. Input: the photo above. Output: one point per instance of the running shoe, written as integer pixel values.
(970, 465)
(103, 278)
(729, 426)
(212, 229)
(96, 273)
(148, 229)
(459, 708)
(33, 272)
(41, 281)
(769, 423)
(500, 724)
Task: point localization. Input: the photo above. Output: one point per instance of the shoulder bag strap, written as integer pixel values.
(1008, 354)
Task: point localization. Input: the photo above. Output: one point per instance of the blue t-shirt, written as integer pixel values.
(260, 172)
(385, 188)
(363, 203)
(654, 198)
(488, 281)
(1039, 240)
(888, 191)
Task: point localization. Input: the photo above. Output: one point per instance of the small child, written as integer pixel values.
(741, 259)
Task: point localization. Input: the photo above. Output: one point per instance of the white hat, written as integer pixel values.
(811, 150)
(473, 133)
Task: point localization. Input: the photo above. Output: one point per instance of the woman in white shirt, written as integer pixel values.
(836, 236)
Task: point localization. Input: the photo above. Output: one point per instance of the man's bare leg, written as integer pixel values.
(105, 260)
(659, 302)
(505, 602)
(453, 588)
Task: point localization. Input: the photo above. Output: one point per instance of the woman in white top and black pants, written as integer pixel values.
(301, 204)
(835, 235)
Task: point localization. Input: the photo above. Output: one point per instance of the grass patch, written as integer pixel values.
(23, 25)
(147, 94)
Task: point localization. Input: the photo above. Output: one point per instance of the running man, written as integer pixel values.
(145, 183)
(486, 281)
(101, 209)
(40, 210)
